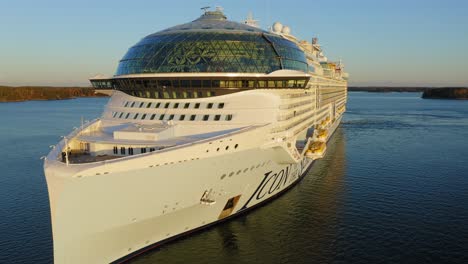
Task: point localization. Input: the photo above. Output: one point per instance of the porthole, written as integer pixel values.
(246, 169)
(217, 149)
(227, 147)
(236, 145)
(230, 174)
(238, 172)
(223, 176)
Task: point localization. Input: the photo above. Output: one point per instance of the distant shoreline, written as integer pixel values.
(44, 93)
(388, 89)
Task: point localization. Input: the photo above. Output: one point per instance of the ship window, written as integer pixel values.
(206, 83)
(143, 150)
(221, 105)
(130, 151)
(157, 105)
(152, 149)
(192, 117)
(261, 84)
(143, 116)
(197, 105)
(166, 95)
(126, 104)
(209, 106)
(171, 117)
(114, 114)
(149, 105)
(196, 83)
(301, 83)
(271, 84)
(153, 116)
(133, 104)
(122, 150)
(166, 105)
(185, 83)
(228, 117)
(182, 117)
(116, 150)
(161, 117)
(184, 94)
(136, 116)
(206, 117)
(176, 105)
(121, 114)
(217, 117)
(235, 146)
(186, 105)
(128, 114)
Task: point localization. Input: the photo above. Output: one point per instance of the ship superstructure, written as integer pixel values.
(206, 120)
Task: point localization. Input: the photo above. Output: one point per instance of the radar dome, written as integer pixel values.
(277, 27)
(286, 30)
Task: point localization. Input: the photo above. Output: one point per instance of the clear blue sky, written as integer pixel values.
(382, 42)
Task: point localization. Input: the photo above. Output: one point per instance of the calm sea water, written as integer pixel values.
(392, 189)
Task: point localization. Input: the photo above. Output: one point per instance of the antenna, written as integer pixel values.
(205, 8)
(251, 21)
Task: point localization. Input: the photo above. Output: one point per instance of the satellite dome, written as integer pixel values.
(286, 30)
(277, 27)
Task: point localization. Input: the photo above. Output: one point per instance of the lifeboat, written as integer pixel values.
(316, 150)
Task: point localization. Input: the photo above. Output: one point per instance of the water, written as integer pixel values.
(392, 189)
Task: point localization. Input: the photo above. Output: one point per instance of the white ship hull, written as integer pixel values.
(100, 222)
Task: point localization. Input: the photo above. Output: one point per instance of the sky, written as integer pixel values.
(381, 42)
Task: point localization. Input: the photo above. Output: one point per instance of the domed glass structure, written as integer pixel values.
(212, 44)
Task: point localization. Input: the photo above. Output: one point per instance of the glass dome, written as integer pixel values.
(212, 44)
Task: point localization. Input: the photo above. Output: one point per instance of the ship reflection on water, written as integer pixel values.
(300, 225)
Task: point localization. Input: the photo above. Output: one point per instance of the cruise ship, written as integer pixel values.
(206, 120)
